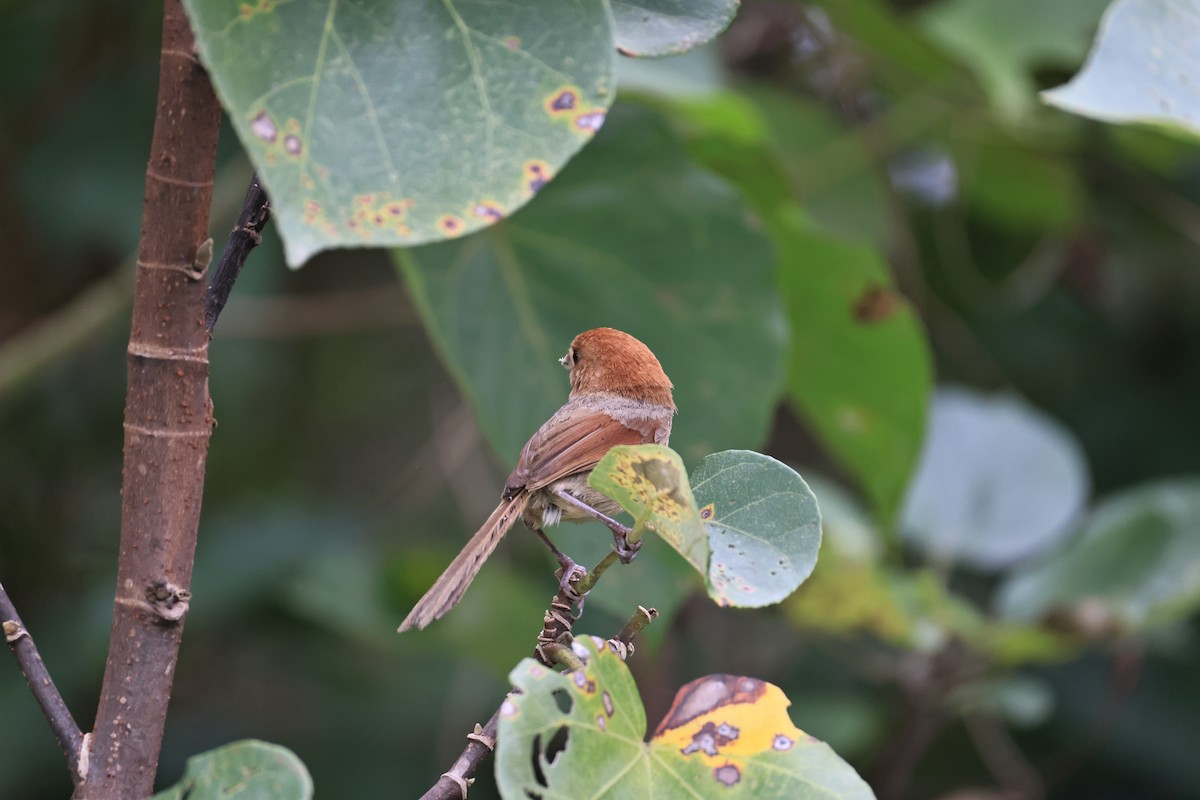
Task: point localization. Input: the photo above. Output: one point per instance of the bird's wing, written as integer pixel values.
(572, 441)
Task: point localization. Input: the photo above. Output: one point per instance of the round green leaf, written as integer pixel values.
(649, 482)
(666, 27)
(246, 770)
(1142, 67)
(383, 123)
(997, 481)
(582, 735)
(633, 236)
(763, 525)
(1137, 560)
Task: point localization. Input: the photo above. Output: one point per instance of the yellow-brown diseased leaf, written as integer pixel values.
(649, 482)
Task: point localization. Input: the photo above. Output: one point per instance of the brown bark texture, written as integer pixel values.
(168, 421)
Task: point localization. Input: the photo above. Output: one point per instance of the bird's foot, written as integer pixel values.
(626, 550)
(569, 573)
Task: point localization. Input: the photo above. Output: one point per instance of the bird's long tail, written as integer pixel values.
(453, 583)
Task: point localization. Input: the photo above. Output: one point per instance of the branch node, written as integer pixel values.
(479, 735)
(201, 260)
(85, 752)
(167, 601)
(459, 781)
(13, 630)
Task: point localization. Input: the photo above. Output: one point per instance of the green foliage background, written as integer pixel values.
(808, 221)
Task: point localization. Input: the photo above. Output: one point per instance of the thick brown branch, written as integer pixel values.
(246, 235)
(168, 419)
(70, 739)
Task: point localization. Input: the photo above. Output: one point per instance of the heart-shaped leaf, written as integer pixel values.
(582, 734)
(763, 525)
(379, 123)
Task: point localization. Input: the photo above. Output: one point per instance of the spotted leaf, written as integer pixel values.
(764, 528)
(649, 482)
(582, 734)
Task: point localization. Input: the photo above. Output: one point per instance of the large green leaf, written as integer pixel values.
(634, 236)
(381, 123)
(1142, 67)
(665, 27)
(582, 735)
(247, 770)
(860, 368)
(997, 481)
(1137, 562)
(763, 525)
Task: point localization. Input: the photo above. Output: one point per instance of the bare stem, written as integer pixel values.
(640, 619)
(246, 235)
(70, 739)
(168, 423)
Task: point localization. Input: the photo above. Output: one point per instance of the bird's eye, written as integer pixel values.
(569, 359)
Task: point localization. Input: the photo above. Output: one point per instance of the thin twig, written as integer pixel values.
(246, 235)
(453, 783)
(70, 739)
(640, 619)
(563, 655)
(588, 582)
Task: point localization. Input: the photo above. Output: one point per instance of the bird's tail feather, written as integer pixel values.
(450, 587)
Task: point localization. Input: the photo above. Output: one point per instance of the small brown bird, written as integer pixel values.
(619, 395)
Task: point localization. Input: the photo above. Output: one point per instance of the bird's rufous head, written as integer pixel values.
(608, 361)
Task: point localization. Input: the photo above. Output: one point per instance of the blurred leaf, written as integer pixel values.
(666, 27)
(381, 123)
(764, 528)
(997, 481)
(697, 72)
(831, 171)
(845, 524)
(1142, 67)
(633, 236)
(566, 735)
(876, 27)
(848, 595)
(1021, 700)
(860, 367)
(1017, 186)
(649, 482)
(845, 597)
(247, 770)
(1136, 561)
(1004, 43)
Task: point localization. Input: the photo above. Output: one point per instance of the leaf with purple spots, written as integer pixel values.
(725, 736)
